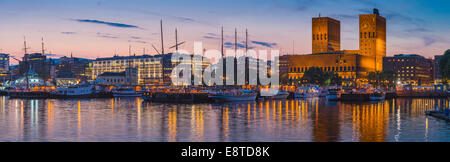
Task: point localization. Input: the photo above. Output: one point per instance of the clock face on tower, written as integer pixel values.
(365, 26)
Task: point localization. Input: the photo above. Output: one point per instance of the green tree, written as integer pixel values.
(333, 79)
(314, 75)
(388, 78)
(384, 78)
(317, 76)
(444, 66)
(374, 78)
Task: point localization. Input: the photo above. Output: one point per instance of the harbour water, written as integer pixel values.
(303, 120)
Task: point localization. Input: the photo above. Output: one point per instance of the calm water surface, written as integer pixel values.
(272, 121)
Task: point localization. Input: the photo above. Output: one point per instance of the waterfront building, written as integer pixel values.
(326, 35)
(372, 37)
(66, 78)
(149, 67)
(126, 78)
(4, 67)
(43, 67)
(351, 65)
(410, 68)
(74, 65)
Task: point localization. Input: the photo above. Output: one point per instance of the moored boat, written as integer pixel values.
(377, 95)
(306, 92)
(126, 92)
(228, 96)
(75, 91)
(334, 94)
(279, 96)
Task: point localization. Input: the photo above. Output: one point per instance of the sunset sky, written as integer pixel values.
(90, 29)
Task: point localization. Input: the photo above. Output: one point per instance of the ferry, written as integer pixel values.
(126, 92)
(75, 91)
(307, 92)
(228, 96)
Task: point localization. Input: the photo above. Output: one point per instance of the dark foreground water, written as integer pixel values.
(272, 121)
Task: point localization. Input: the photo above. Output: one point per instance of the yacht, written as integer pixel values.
(306, 92)
(126, 92)
(230, 96)
(76, 91)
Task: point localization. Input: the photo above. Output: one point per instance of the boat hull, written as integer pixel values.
(332, 97)
(233, 98)
(305, 95)
(29, 95)
(126, 95)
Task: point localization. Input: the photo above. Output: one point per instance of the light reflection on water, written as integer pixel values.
(282, 120)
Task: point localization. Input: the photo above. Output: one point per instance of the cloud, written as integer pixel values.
(113, 24)
(178, 18)
(137, 41)
(265, 44)
(239, 45)
(416, 30)
(68, 33)
(428, 40)
(210, 37)
(135, 37)
(107, 35)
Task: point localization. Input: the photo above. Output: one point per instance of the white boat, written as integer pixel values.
(377, 95)
(334, 94)
(227, 96)
(78, 91)
(307, 92)
(126, 92)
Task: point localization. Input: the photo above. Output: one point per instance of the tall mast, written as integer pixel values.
(26, 62)
(162, 52)
(223, 61)
(43, 50)
(246, 41)
(235, 40)
(176, 39)
(25, 45)
(162, 38)
(129, 50)
(222, 43)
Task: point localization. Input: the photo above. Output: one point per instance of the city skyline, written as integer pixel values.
(105, 28)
